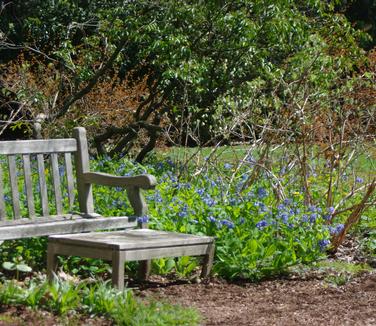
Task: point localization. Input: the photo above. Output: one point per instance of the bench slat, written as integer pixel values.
(42, 185)
(70, 182)
(28, 185)
(2, 203)
(56, 183)
(73, 225)
(14, 186)
(38, 146)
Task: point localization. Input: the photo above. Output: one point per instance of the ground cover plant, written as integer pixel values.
(68, 299)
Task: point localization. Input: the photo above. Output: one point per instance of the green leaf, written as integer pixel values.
(252, 245)
(170, 264)
(23, 268)
(9, 266)
(270, 250)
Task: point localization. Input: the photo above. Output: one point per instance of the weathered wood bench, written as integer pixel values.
(69, 233)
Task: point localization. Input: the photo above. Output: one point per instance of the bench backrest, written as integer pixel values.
(25, 152)
(30, 165)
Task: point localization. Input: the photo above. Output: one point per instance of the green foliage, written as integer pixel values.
(95, 299)
(339, 272)
(366, 233)
(204, 62)
(17, 265)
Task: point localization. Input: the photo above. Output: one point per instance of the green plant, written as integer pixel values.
(18, 265)
(10, 293)
(63, 297)
(339, 272)
(95, 299)
(35, 294)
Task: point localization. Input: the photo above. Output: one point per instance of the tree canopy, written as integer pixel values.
(193, 67)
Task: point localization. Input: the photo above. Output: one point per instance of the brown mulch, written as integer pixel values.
(275, 302)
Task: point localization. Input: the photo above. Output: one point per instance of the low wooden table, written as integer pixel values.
(130, 245)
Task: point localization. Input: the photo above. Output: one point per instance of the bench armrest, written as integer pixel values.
(144, 181)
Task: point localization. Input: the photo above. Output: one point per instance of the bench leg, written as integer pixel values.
(144, 269)
(51, 262)
(118, 269)
(208, 262)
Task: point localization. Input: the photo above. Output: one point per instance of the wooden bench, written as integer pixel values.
(69, 233)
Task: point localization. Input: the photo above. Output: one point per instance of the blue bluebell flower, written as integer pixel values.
(208, 200)
(244, 177)
(262, 193)
(359, 180)
(284, 217)
(327, 217)
(170, 163)
(184, 211)
(313, 217)
(312, 208)
(212, 219)
(159, 165)
(143, 219)
(287, 202)
(233, 201)
(227, 166)
(250, 159)
(262, 224)
(61, 170)
(200, 191)
(228, 223)
(263, 208)
(323, 244)
(182, 214)
(157, 197)
(336, 229)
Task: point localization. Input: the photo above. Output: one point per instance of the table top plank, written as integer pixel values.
(132, 239)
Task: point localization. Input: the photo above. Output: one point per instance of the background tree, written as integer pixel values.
(196, 73)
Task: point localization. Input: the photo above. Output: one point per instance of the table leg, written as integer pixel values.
(51, 262)
(118, 261)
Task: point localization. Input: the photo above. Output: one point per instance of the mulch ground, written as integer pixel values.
(276, 302)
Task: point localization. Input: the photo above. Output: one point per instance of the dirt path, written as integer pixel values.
(278, 302)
